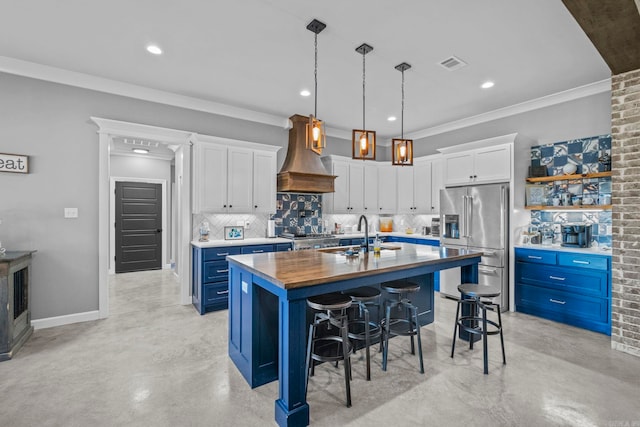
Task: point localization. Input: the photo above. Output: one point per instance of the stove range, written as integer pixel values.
(311, 241)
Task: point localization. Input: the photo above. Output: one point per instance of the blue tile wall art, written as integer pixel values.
(588, 154)
(298, 213)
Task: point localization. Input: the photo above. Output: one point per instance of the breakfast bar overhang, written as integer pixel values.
(268, 309)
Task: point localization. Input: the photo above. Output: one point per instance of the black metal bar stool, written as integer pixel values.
(330, 347)
(363, 328)
(407, 326)
(477, 298)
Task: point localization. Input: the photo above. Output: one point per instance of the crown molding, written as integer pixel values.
(100, 84)
(86, 81)
(523, 107)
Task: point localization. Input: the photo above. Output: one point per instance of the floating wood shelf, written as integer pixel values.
(568, 208)
(569, 177)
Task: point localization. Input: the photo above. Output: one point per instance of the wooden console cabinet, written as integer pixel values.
(15, 305)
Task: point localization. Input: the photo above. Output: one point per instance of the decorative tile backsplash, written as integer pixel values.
(298, 213)
(588, 154)
(601, 221)
(217, 222)
(400, 222)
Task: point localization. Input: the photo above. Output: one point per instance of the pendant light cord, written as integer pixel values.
(315, 76)
(363, 89)
(402, 110)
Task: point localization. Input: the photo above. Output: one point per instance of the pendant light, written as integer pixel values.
(363, 142)
(402, 149)
(315, 128)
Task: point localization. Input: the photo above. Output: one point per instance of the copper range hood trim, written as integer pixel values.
(302, 170)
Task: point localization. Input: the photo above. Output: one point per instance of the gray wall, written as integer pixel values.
(583, 117)
(50, 123)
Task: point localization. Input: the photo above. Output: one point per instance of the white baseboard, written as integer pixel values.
(67, 319)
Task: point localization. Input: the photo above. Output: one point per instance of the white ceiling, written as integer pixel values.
(258, 54)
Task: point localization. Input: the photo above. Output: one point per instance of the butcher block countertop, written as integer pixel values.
(296, 269)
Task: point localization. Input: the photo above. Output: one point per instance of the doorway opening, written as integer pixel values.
(139, 226)
(118, 141)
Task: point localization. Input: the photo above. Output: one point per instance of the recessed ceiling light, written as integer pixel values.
(391, 118)
(305, 93)
(487, 85)
(141, 151)
(154, 49)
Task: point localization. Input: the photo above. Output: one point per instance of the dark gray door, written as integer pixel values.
(138, 226)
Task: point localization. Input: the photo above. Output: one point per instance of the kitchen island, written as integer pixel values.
(268, 309)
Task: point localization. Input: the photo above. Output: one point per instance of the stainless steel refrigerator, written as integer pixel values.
(476, 217)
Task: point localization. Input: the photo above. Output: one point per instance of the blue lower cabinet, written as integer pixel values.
(567, 287)
(210, 277)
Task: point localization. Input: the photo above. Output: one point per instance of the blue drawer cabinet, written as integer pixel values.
(257, 249)
(568, 287)
(595, 262)
(283, 247)
(210, 276)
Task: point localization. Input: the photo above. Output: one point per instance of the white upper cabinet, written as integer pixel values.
(240, 180)
(422, 182)
(478, 166)
(419, 186)
(405, 189)
(370, 188)
(210, 178)
(437, 184)
(493, 164)
(356, 187)
(338, 201)
(233, 176)
(387, 189)
(264, 181)
(349, 185)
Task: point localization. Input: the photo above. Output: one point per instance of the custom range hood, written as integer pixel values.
(302, 171)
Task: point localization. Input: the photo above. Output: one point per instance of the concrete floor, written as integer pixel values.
(154, 362)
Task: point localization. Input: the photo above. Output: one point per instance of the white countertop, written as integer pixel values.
(592, 250)
(244, 242)
(273, 240)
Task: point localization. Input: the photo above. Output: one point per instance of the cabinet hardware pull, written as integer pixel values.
(487, 270)
(577, 261)
(557, 302)
(534, 257)
(489, 253)
(222, 292)
(222, 254)
(222, 271)
(258, 252)
(557, 278)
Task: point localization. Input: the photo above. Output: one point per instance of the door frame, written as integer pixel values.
(112, 217)
(181, 142)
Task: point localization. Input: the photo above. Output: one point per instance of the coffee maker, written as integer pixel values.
(576, 235)
(435, 227)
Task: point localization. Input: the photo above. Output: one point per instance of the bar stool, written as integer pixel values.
(477, 297)
(362, 328)
(329, 348)
(407, 326)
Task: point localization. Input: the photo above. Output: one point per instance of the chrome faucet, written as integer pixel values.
(366, 231)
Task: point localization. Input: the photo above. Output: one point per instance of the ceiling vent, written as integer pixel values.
(452, 63)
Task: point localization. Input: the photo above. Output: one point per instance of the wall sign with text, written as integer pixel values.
(15, 163)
